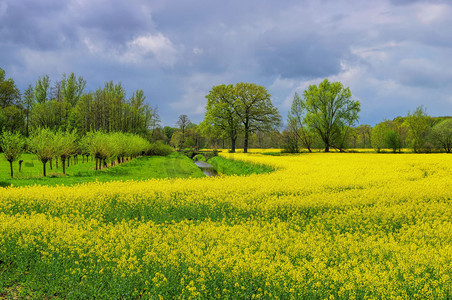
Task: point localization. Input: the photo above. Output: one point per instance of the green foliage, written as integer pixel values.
(247, 104)
(108, 110)
(378, 136)
(199, 157)
(65, 146)
(330, 111)
(392, 140)
(42, 142)
(297, 131)
(42, 89)
(72, 88)
(13, 118)
(290, 141)
(441, 135)
(12, 145)
(51, 114)
(236, 167)
(255, 110)
(220, 118)
(9, 93)
(159, 149)
(419, 124)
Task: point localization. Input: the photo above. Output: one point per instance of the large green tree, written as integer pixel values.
(330, 111)
(254, 108)
(220, 118)
(419, 124)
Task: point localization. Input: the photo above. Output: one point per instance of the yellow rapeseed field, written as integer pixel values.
(322, 226)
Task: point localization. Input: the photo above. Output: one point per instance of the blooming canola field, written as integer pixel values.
(322, 226)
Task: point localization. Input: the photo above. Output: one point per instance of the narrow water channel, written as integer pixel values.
(206, 168)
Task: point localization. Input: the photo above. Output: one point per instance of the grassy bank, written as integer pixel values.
(172, 166)
(236, 167)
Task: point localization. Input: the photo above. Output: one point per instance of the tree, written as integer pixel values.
(13, 118)
(296, 124)
(65, 146)
(42, 89)
(12, 145)
(29, 102)
(9, 93)
(441, 135)
(364, 132)
(330, 111)
(72, 88)
(419, 124)
(168, 131)
(392, 140)
(220, 118)
(182, 122)
(254, 108)
(42, 143)
(378, 136)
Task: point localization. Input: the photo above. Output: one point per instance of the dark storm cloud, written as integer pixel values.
(33, 24)
(298, 56)
(51, 24)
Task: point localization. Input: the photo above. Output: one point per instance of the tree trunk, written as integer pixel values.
(11, 167)
(327, 148)
(233, 139)
(96, 163)
(64, 165)
(50, 163)
(245, 143)
(44, 168)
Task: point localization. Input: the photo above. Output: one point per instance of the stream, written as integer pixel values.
(206, 168)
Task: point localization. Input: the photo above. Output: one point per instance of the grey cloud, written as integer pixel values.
(302, 56)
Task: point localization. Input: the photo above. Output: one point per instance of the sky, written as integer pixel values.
(393, 55)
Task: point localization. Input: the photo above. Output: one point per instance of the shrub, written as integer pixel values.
(199, 157)
(159, 149)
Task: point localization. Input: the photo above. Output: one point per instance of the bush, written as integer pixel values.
(159, 149)
(199, 157)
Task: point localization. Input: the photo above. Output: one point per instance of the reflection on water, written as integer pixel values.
(206, 168)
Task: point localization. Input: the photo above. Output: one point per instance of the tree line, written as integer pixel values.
(66, 105)
(324, 116)
(107, 149)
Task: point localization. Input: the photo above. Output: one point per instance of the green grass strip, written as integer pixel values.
(237, 167)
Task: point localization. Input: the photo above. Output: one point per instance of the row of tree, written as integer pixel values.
(67, 106)
(325, 116)
(49, 146)
(417, 130)
(237, 115)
